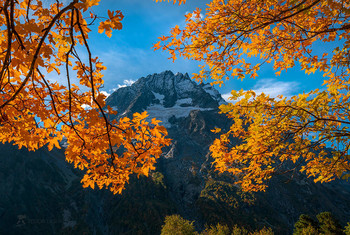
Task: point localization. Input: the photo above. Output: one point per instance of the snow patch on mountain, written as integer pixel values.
(187, 101)
(164, 114)
(159, 97)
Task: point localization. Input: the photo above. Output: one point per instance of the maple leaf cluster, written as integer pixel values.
(39, 40)
(273, 131)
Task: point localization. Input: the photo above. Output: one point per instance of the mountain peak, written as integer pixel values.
(167, 82)
(165, 95)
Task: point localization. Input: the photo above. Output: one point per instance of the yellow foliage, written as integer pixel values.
(271, 132)
(38, 39)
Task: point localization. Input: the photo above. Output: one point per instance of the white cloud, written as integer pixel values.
(271, 87)
(226, 96)
(274, 87)
(129, 82)
(201, 16)
(105, 93)
(86, 107)
(126, 82)
(113, 90)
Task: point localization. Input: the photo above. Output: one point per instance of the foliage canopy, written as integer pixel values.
(274, 131)
(41, 39)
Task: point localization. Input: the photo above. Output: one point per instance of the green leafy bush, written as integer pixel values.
(176, 225)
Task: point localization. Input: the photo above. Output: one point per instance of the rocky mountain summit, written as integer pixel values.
(165, 95)
(40, 193)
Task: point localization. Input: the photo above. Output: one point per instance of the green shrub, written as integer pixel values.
(239, 231)
(325, 224)
(347, 229)
(217, 230)
(264, 231)
(176, 225)
(305, 225)
(328, 224)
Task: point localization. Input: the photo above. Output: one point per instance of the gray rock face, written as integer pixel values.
(166, 89)
(41, 193)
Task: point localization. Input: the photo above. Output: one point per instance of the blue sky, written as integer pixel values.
(128, 54)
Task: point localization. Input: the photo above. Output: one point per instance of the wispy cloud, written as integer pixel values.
(226, 96)
(271, 87)
(105, 93)
(274, 87)
(126, 82)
